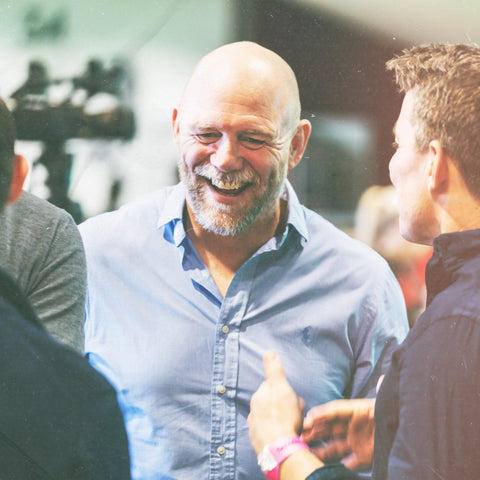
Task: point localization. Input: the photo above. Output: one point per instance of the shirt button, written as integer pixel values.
(221, 450)
(222, 389)
(225, 329)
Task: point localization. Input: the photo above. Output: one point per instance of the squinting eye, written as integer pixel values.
(252, 143)
(207, 138)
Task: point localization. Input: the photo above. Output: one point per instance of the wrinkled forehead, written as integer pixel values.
(248, 93)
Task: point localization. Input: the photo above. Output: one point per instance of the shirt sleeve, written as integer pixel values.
(58, 295)
(439, 386)
(376, 333)
(333, 472)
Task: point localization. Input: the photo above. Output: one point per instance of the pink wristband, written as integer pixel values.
(275, 453)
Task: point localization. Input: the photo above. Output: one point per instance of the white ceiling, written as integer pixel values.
(413, 21)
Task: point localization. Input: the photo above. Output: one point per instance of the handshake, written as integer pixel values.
(341, 430)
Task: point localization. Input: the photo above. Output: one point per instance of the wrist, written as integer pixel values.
(299, 465)
(273, 454)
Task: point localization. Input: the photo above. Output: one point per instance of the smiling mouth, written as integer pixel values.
(226, 188)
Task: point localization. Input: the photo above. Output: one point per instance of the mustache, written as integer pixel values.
(235, 177)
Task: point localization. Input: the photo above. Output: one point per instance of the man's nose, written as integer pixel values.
(227, 156)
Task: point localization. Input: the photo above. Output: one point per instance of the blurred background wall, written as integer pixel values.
(337, 49)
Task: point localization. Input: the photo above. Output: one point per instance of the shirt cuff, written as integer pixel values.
(336, 471)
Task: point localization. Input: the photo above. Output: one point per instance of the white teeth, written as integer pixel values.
(225, 185)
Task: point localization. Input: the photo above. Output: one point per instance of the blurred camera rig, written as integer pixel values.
(39, 118)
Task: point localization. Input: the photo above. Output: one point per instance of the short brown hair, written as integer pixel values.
(445, 82)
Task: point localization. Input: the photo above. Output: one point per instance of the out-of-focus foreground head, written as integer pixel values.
(445, 82)
(249, 69)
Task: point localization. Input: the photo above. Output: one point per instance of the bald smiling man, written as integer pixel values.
(190, 286)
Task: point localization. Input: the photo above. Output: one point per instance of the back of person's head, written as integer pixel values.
(7, 155)
(445, 82)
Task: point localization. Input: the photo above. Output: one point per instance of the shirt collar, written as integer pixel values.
(171, 214)
(296, 214)
(451, 251)
(172, 210)
(454, 249)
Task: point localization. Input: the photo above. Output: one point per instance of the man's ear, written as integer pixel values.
(20, 171)
(176, 124)
(299, 143)
(438, 173)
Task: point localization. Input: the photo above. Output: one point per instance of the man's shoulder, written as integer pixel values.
(441, 336)
(32, 212)
(328, 239)
(140, 213)
(325, 240)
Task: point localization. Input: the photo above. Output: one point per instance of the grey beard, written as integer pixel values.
(224, 220)
(221, 222)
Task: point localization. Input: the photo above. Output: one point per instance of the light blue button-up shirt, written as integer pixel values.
(185, 361)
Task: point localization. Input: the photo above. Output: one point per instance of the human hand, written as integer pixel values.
(275, 409)
(346, 427)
